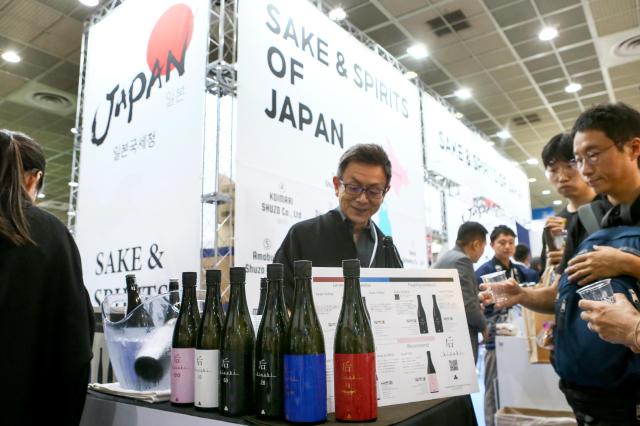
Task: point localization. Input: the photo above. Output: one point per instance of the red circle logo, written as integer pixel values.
(171, 35)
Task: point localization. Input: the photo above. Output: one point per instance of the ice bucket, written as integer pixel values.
(140, 351)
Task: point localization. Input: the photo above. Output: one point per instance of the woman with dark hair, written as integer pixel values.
(46, 318)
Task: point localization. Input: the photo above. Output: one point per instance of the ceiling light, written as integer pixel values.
(41, 195)
(503, 134)
(459, 115)
(89, 3)
(546, 192)
(73, 184)
(557, 202)
(11, 56)
(548, 33)
(463, 93)
(418, 51)
(71, 213)
(410, 74)
(337, 14)
(531, 180)
(532, 162)
(74, 130)
(573, 87)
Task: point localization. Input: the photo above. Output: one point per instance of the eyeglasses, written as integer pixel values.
(372, 192)
(592, 157)
(568, 168)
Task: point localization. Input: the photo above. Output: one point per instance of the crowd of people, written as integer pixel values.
(596, 167)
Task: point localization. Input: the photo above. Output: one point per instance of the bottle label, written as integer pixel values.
(355, 386)
(269, 385)
(182, 362)
(236, 382)
(433, 382)
(207, 378)
(305, 388)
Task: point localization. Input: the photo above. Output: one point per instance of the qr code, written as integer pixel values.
(453, 365)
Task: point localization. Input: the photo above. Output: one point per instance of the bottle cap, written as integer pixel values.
(275, 271)
(189, 279)
(351, 268)
(173, 285)
(302, 269)
(263, 283)
(237, 274)
(213, 276)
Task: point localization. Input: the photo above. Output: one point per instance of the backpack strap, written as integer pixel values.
(587, 216)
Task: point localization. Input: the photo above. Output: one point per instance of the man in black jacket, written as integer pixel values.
(347, 232)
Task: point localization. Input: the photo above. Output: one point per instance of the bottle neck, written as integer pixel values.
(212, 298)
(237, 298)
(188, 297)
(303, 295)
(351, 297)
(133, 297)
(275, 296)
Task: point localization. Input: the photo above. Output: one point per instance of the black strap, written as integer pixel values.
(588, 218)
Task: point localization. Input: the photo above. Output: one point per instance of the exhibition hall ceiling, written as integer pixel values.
(490, 47)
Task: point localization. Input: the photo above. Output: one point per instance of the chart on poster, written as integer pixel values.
(423, 350)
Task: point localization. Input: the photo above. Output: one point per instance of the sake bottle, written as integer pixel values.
(236, 354)
(139, 317)
(207, 375)
(354, 359)
(183, 346)
(262, 300)
(173, 307)
(422, 318)
(305, 371)
(432, 378)
(391, 255)
(213, 277)
(437, 317)
(271, 344)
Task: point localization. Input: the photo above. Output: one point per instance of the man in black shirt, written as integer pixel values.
(606, 145)
(562, 173)
(347, 232)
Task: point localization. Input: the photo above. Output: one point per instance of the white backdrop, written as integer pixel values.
(139, 208)
(307, 91)
(492, 190)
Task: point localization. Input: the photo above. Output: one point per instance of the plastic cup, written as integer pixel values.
(495, 282)
(600, 291)
(560, 239)
(494, 277)
(498, 290)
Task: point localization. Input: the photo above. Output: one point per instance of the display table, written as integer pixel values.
(107, 410)
(522, 384)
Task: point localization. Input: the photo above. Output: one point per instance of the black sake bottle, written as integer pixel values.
(422, 318)
(271, 345)
(391, 255)
(236, 354)
(437, 317)
(140, 317)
